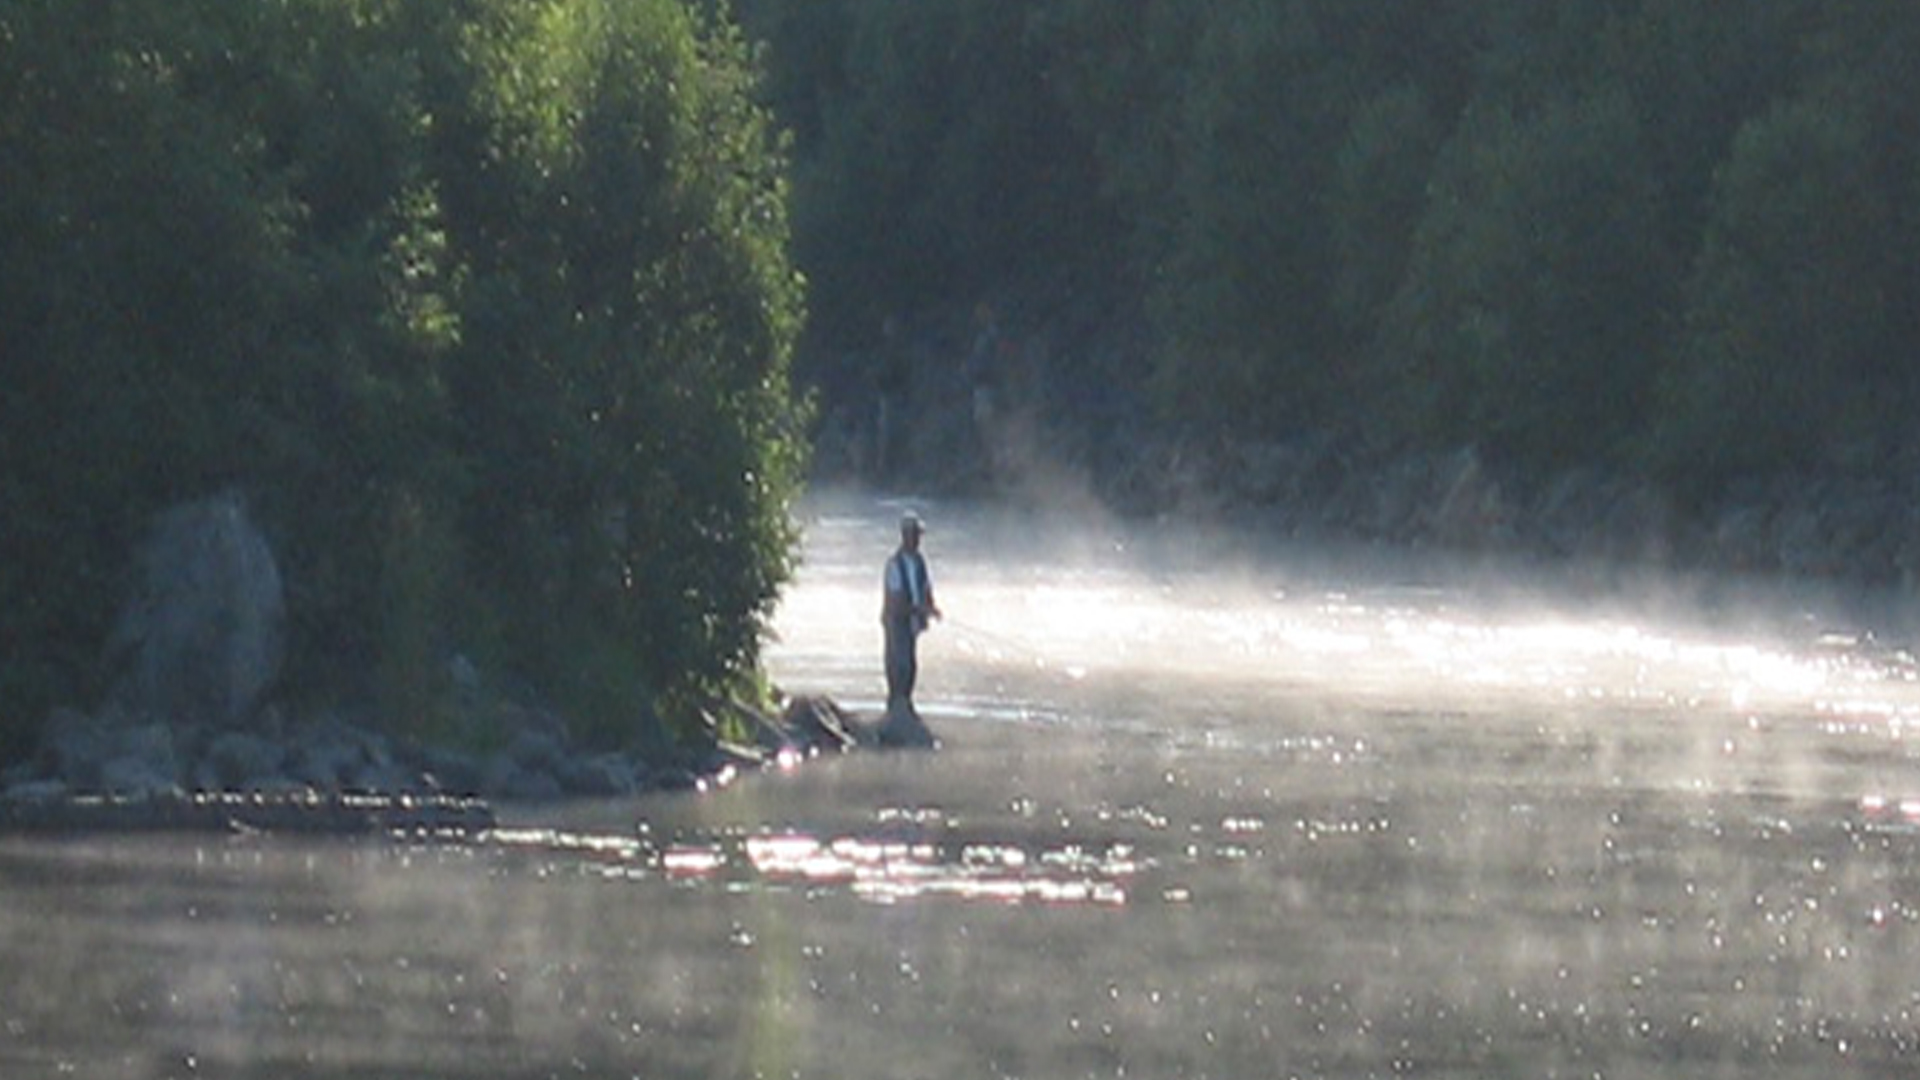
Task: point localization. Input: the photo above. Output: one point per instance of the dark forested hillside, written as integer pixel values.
(1664, 239)
(484, 307)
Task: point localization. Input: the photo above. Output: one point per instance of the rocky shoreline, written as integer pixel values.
(434, 817)
(194, 733)
(110, 774)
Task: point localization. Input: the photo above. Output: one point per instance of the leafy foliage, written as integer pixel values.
(487, 306)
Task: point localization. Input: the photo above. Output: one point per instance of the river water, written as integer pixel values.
(1205, 807)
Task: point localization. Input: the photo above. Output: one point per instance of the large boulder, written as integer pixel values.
(201, 640)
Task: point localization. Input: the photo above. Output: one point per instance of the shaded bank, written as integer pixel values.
(1070, 429)
(1851, 529)
(96, 775)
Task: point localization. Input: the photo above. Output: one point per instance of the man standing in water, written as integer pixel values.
(905, 612)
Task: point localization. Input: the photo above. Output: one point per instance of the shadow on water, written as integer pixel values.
(1202, 810)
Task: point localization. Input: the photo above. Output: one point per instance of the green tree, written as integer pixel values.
(623, 384)
(140, 246)
(1378, 194)
(1119, 71)
(1266, 247)
(1244, 305)
(487, 307)
(942, 163)
(1537, 294)
(1792, 329)
(1694, 75)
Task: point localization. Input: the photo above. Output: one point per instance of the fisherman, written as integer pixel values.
(907, 608)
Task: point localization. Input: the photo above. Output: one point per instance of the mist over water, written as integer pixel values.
(1206, 807)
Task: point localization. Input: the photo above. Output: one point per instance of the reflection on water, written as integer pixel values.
(882, 868)
(1201, 812)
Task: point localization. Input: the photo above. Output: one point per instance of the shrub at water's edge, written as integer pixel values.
(486, 309)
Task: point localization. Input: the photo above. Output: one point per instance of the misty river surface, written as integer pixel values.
(1205, 808)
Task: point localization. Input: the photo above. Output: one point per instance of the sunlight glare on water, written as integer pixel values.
(1205, 807)
(1108, 610)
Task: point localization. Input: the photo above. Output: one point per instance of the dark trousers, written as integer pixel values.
(903, 666)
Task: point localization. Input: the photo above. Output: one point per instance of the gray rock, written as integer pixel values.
(202, 639)
(904, 730)
(818, 723)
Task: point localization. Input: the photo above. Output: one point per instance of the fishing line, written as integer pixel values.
(1019, 648)
(991, 638)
